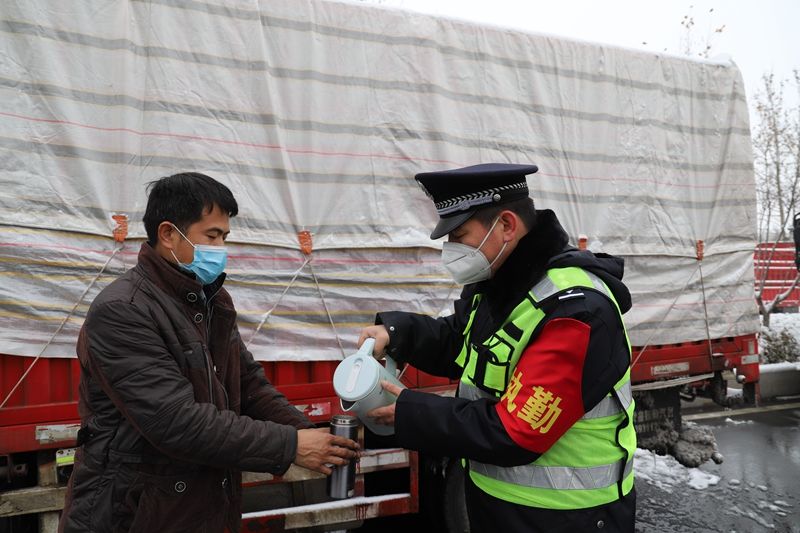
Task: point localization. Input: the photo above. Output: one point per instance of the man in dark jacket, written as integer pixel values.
(173, 406)
(543, 412)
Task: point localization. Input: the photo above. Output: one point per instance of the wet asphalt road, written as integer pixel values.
(759, 486)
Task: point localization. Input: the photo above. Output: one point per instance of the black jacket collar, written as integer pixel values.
(525, 266)
(545, 246)
(171, 279)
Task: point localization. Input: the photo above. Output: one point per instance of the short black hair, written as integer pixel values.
(182, 199)
(523, 207)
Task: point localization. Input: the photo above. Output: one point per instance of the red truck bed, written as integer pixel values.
(774, 264)
(47, 399)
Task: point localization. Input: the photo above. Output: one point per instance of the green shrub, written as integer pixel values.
(779, 346)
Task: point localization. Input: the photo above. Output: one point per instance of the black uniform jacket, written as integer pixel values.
(580, 352)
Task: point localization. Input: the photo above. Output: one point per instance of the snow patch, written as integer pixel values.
(778, 367)
(737, 422)
(700, 480)
(666, 473)
(763, 504)
(789, 322)
(755, 517)
(695, 446)
(734, 393)
(779, 507)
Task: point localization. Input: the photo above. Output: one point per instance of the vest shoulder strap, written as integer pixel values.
(559, 284)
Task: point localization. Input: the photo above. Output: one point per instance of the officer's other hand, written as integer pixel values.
(381, 337)
(317, 449)
(385, 415)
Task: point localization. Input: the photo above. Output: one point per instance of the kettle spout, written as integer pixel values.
(346, 406)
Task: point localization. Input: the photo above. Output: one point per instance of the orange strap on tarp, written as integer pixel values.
(306, 242)
(120, 231)
(700, 249)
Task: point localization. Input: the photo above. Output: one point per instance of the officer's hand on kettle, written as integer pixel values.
(385, 415)
(318, 449)
(381, 337)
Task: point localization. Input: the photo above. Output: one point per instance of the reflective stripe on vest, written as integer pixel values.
(537, 484)
(557, 477)
(608, 406)
(547, 288)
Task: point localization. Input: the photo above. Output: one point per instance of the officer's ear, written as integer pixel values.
(510, 223)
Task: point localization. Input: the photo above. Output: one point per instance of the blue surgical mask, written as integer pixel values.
(208, 263)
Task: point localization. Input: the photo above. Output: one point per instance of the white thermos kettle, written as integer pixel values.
(357, 382)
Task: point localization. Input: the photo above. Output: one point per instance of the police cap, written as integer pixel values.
(458, 193)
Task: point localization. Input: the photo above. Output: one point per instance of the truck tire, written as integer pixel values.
(749, 393)
(719, 390)
(454, 503)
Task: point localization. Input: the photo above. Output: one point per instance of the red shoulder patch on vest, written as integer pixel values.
(544, 397)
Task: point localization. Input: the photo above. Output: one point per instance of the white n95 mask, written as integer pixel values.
(466, 264)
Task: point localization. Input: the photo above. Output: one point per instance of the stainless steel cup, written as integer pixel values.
(342, 482)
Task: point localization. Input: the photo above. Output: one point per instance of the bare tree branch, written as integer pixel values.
(776, 164)
(782, 296)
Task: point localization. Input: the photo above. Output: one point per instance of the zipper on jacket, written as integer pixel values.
(206, 352)
(208, 372)
(227, 402)
(209, 362)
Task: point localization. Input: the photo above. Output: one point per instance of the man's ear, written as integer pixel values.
(510, 224)
(166, 235)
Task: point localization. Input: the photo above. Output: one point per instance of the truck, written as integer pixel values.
(317, 114)
(775, 272)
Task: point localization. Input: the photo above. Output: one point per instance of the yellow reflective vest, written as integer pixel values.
(592, 463)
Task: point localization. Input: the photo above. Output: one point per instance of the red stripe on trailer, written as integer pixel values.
(775, 268)
(692, 358)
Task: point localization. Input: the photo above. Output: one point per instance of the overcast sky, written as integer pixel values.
(760, 36)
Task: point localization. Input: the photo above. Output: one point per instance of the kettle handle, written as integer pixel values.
(391, 366)
(369, 346)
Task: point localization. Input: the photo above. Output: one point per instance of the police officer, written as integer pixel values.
(543, 415)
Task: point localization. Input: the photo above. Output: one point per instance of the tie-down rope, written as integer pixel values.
(60, 326)
(305, 240)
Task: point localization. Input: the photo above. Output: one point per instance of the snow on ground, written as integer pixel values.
(789, 322)
(766, 368)
(733, 422)
(779, 322)
(748, 500)
(666, 473)
(735, 393)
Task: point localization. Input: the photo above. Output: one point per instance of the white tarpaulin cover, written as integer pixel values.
(317, 115)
